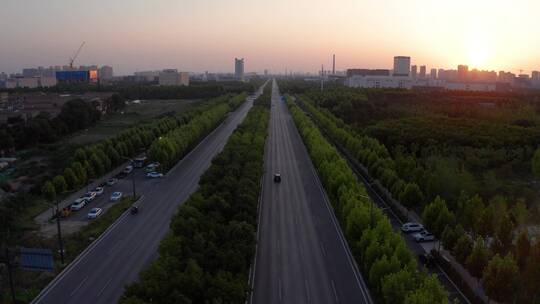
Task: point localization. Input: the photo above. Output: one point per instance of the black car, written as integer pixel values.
(277, 178)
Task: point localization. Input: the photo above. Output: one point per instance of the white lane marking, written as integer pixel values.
(279, 291)
(323, 250)
(335, 291)
(103, 288)
(78, 286)
(306, 286)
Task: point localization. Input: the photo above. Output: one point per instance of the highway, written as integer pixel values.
(302, 256)
(115, 259)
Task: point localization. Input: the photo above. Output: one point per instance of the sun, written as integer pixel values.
(478, 55)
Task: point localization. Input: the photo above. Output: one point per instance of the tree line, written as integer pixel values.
(167, 140)
(481, 235)
(381, 253)
(206, 256)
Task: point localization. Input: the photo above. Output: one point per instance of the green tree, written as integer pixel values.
(430, 292)
(60, 184)
(71, 179)
(504, 235)
(463, 248)
(535, 163)
(478, 259)
(523, 246)
(532, 273)
(396, 286)
(412, 196)
(49, 191)
(500, 279)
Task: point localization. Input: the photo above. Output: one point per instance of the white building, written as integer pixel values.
(105, 73)
(402, 66)
(27, 82)
(171, 77)
(376, 82)
(239, 69)
(47, 81)
(471, 86)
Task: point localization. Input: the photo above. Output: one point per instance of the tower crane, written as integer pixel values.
(72, 59)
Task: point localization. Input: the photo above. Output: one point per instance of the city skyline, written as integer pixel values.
(200, 36)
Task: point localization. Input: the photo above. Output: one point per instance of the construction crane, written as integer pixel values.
(72, 59)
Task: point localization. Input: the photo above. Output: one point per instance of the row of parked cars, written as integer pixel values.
(420, 233)
(81, 202)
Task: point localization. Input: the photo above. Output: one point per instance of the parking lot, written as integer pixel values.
(76, 219)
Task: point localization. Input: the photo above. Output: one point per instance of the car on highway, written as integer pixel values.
(116, 196)
(424, 236)
(112, 181)
(128, 169)
(94, 213)
(412, 227)
(78, 204)
(154, 175)
(99, 191)
(277, 178)
(89, 196)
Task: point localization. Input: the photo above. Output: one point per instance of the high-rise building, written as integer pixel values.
(239, 69)
(402, 66)
(414, 71)
(422, 72)
(433, 74)
(535, 76)
(463, 72)
(171, 77)
(105, 73)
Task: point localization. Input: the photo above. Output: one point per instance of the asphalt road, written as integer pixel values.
(116, 258)
(301, 255)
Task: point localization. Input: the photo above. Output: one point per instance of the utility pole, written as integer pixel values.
(60, 242)
(322, 78)
(10, 274)
(132, 175)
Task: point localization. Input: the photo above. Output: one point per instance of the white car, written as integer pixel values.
(98, 191)
(78, 204)
(424, 236)
(112, 181)
(94, 213)
(90, 196)
(154, 175)
(116, 196)
(128, 169)
(412, 227)
(152, 167)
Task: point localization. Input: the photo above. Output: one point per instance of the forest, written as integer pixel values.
(206, 256)
(466, 167)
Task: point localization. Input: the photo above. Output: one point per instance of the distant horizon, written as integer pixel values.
(206, 35)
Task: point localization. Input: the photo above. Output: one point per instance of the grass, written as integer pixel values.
(77, 242)
(111, 124)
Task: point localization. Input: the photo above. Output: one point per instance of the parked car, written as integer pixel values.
(277, 178)
(424, 236)
(98, 191)
(116, 196)
(152, 167)
(94, 213)
(154, 175)
(112, 181)
(128, 169)
(78, 204)
(90, 196)
(139, 162)
(412, 227)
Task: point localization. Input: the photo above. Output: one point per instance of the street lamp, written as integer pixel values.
(132, 175)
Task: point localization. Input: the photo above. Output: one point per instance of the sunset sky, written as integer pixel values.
(300, 35)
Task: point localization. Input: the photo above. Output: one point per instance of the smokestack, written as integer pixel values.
(334, 65)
